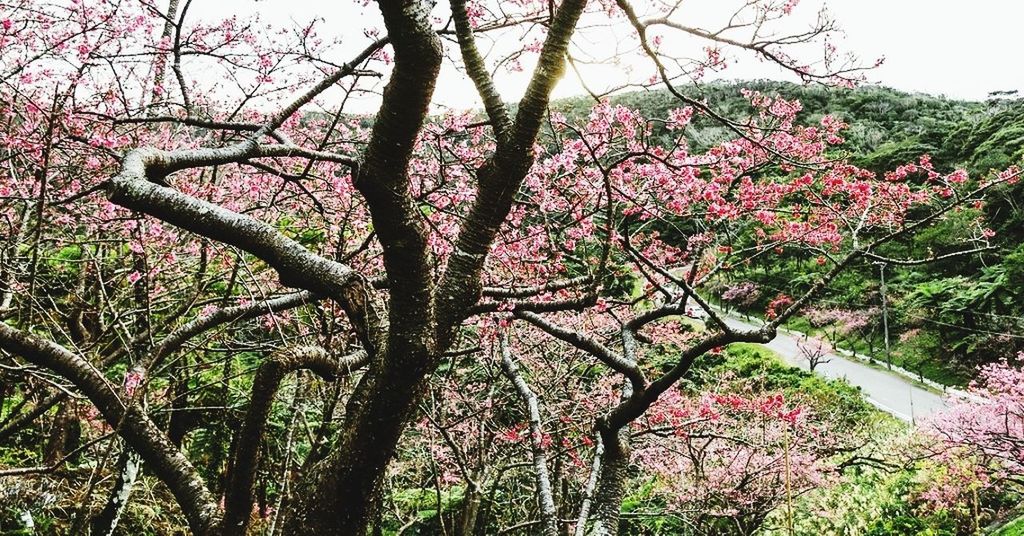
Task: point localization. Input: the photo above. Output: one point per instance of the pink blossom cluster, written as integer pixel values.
(743, 294)
(731, 454)
(980, 438)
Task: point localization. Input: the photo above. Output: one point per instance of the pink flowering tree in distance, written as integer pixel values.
(742, 295)
(187, 201)
(838, 323)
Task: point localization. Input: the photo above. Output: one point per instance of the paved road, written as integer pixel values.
(889, 392)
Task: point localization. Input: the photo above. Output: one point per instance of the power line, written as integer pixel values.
(963, 328)
(997, 315)
(946, 324)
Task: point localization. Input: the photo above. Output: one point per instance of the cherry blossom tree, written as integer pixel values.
(838, 323)
(982, 435)
(743, 295)
(730, 460)
(169, 180)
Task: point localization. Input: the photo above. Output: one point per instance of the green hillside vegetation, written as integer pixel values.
(947, 317)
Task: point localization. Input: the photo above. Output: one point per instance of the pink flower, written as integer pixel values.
(775, 306)
(1010, 174)
(957, 177)
(132, 380)
(679, 118)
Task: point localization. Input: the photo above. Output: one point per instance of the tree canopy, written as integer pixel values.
(197, 229)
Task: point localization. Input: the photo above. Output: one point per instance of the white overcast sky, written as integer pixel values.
(943, 47)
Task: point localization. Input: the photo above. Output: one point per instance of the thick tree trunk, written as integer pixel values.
(337, 495)
(470, 510)
(611, 484)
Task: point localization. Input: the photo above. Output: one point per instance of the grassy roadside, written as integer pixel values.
(1013, 528)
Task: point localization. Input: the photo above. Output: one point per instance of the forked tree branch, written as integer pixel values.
(296, 266)
(588, 344)
(501, 177)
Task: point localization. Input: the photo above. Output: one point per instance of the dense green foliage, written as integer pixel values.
(1013, 528)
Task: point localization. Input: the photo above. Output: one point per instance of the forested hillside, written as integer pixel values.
(945, 318)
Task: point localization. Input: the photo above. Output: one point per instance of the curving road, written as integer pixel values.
(893, 394)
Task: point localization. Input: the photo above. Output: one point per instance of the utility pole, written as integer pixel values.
(885, 314)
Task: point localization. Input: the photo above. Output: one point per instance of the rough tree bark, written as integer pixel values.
(607, 502)
(338, 494)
